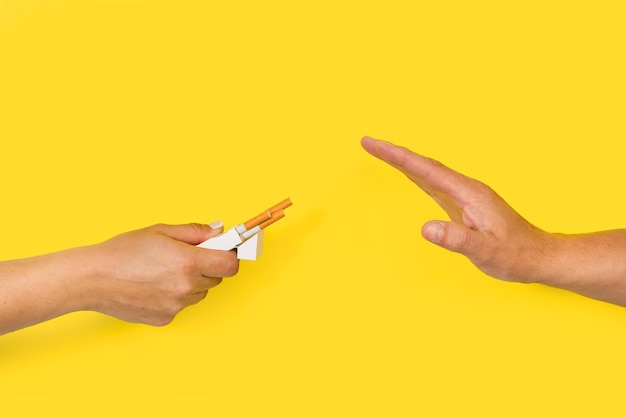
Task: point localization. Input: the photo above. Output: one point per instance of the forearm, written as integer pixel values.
(37, 289)
(143, 276)
(593, 265)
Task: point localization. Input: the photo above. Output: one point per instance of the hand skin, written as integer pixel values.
(144, 276)
(501, 243)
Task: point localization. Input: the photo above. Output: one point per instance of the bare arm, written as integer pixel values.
(493, 236)
(145, 276)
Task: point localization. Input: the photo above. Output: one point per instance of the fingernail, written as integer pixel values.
(216, 225)
(433, 232)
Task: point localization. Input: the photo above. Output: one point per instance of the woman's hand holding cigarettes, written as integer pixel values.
(145, 276)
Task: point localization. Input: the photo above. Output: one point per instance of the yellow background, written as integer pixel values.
(115, 115)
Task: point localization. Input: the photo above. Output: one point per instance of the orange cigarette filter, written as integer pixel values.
(268, 214)
(280, 206)
(276, 215)
(257, 220)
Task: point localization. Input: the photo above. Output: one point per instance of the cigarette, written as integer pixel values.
(267, 215)
(257, 220)
(276, 215)
(280, 206)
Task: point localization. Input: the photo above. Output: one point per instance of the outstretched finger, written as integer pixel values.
(430, 175)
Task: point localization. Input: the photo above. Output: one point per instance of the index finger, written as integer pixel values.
(430, 175)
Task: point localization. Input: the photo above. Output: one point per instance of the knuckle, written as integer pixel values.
(435, 163)
(162, 316)
(202, 295)
(161, 320)
(157, 227)
(181, 288)
(216, 282)
(171, 310)
(231, 265)
(186, 264)
(486, 192)
(197, 227)
(434, 167)
(197, 297)
(224, 264)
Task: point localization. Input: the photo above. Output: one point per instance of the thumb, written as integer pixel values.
(192, 233)
(454, 237)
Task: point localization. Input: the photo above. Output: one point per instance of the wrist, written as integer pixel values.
(546, 264)
(590, 264)
(536, 259)
(81, 274)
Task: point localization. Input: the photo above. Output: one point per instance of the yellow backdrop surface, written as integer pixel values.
(115, 115)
